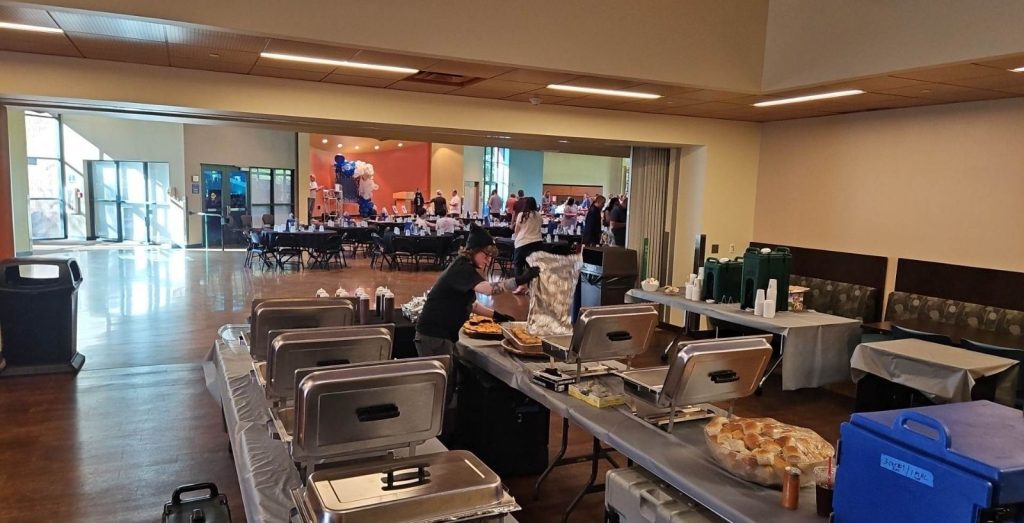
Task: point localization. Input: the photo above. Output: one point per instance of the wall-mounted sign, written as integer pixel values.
(195, 187)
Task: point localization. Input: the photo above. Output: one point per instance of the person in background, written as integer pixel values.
(421, 220)
(313, 187)
(612, 203)
(592, 222)
(446, 225)
(526, 235)
(585, 202)
(455, 204)
(494, 203)
(546, 204)
(569, 214)
(510, 204)
(520, 202)
(440, 204)
(417, 202)
(617, 223)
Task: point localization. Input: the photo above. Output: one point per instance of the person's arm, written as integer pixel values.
(508, 284)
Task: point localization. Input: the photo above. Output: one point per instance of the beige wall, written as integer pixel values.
(446, 164)
(938, 183)
(239, 146)
(707, 43)
(473, 164)
(582, 169)
(19, 180)
(815, 41)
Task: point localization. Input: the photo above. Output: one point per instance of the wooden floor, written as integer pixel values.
(111, 443)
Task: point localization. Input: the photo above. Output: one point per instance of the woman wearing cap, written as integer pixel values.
(453, 297)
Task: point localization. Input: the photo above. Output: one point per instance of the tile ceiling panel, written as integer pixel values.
(544, 98)
(944, 92)
(467, 69)
(39, 43)
(708, 95)
(120, 49)
(109, 26)
(422, 87)
(537, 77)
(497, 89)
(398, 60)
(295, 74)
(25, 15)
(602, 83)
(707, 108)
(1005, 79)
(592, 101)
(663, 90)
(1007, 62)
(209, 64)
(952, 72)
(642, 107)
(219, 55)
(196, 37)
(363, 81)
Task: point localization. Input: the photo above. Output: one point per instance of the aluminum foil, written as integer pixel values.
(551, 293)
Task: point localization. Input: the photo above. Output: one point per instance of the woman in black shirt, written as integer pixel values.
(592, 222)
(617, 222)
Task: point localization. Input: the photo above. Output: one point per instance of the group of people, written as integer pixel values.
(441, 206)
(596, 214)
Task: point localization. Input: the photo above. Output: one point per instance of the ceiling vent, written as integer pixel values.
(453, 80)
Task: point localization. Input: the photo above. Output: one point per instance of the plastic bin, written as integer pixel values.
(608, 273)
(39, 315)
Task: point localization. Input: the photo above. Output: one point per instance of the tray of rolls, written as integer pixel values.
(760, 449)
(481, 327)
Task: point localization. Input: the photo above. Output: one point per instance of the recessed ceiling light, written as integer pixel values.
(36, 28)
(605, 92)
(376, 147)
(357, 147)
(339, 63)
(1018, 70)
(808, 98)
(340, 145)
(324, 140)
(214, 55)
(563, 141)
(400, 144)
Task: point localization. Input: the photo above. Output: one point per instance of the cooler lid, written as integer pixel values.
(981, 436)
(447, 486)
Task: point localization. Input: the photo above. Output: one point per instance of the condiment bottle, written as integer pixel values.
(791, 488)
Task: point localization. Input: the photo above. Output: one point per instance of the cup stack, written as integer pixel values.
(769, 308)
(759, 303)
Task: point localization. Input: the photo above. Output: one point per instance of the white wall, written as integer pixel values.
(582, 169)
(239, 146)
(446, 164)
(19, 180)
(941, 183)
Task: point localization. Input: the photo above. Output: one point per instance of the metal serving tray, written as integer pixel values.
(605, 333)
(268, 317)
(506, 330)
(304, 348)
(703, 371)
(367, 410)
(447, 486)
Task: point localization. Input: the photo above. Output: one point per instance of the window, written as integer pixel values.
(47, 213)
(271, 192)
(495, 174)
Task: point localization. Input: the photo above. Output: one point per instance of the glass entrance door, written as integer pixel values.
(106, 208)
(134, 204)
(130, 201)
(225, 201)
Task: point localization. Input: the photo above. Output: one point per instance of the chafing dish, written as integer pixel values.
(360, 414)
(302, 348)
(605, 333)
(274, 315)
(703, 371)
(259, 367)
(506, 330)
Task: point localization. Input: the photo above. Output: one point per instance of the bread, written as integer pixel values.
(760, 449)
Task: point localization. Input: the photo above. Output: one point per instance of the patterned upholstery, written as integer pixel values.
(904, 306)
(839, 298)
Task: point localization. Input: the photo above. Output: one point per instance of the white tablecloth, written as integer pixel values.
(942, 373)
(816, 346)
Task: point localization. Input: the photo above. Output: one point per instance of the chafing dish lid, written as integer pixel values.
(268, 318)
(715, 370)
(613, 332)
(445, 361)
(446, 486)
(300, 349)
(371, 408)
(298, 302)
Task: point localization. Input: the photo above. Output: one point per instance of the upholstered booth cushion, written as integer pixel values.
(906, 306)
(839, 298)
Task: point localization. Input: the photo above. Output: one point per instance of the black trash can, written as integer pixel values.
(39, 315)
(608, 273)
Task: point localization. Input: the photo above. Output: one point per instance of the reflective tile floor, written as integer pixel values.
(111, 443)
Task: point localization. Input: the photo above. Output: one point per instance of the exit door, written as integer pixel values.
(225, 201)
(130, 201)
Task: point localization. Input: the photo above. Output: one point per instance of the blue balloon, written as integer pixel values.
(339, 159)
(348, 169)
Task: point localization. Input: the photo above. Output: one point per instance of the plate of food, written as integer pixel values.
(481, 327)
(519, 336)
(670, 290)
(533, 352)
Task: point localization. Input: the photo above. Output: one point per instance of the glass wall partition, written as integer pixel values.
(46, 207)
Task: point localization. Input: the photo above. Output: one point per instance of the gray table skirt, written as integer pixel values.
(681, 458)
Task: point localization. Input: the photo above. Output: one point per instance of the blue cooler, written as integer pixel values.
(961, 462)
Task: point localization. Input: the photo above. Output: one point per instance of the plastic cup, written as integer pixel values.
(824, 487)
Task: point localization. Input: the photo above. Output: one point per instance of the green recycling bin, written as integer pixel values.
(758, 268)
(39, 315)
(722, 279)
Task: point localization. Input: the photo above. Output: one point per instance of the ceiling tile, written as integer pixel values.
(41, 43)
(1003, 79)
(210, 64)
(497, 88)
(422, 87)
(708, 95)
(604, 101)
(952, 72)
(640, 108)
(536, 77)
(219, 55)
(100, 47)
(601, 83)
(1007, 62)
(467, 69)
(25, 15)
(705, 108)
(358, 80)
(558, 94)
(398, 60)
(544, 98)
(944, 92)
(664, 90)
(109, 26)
(295, 74)
(878, 83)
(197, 37)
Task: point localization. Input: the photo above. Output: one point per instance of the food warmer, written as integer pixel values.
(703, 371)
(359, 416)
(274, 315)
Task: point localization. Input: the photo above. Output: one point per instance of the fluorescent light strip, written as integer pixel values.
(1018, 70)
(605, 92)
(339, 63)
(36, 28)
(808, 98)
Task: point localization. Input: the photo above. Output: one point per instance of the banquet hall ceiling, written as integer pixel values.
(95, 36)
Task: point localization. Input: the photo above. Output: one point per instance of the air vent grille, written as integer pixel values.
(455, 80)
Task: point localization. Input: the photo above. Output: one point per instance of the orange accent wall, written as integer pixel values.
(394, 171)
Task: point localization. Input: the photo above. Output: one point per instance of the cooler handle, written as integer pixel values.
(176, 496)
(942, 441)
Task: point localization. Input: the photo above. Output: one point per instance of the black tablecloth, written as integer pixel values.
(312, 240)
(561, 247)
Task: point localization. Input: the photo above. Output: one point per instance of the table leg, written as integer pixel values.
(594, 457)
(782, 352)
(591, 486)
